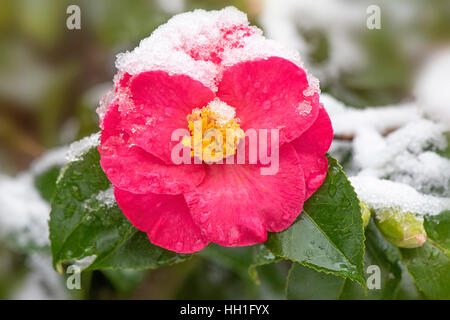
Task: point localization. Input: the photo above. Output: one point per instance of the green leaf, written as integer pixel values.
(407, 289)
(93, 232)
(438, 230)
(430, 268)
(383, 257)
(304, 283)
(136, 253)
(307, 284)
(329, 234)
(261, 257)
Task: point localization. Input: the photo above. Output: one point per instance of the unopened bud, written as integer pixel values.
(402, 229)
(365, 212)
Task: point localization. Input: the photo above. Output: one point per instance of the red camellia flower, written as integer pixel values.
(213, 69)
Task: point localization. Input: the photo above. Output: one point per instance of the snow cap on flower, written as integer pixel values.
(201, 44)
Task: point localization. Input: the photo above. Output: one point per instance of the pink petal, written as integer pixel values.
(268, 94)
(235, 205)
(311, 148)
(315, 168)
(131, 168)
(165, 218)
(161, 105)
(317, 139)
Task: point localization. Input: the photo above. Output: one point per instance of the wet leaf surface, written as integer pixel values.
(429, 266)
(329, 234)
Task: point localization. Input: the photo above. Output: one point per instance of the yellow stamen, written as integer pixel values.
(213, 137)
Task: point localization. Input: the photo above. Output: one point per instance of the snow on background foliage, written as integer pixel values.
(395, 160)
(23, 213)
(393, 153)
(24, 217)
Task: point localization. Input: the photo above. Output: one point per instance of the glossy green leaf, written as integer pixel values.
(94, 233)
(407, 289)
(381, 257)
(438, 230)
(329, 234)
(430, 268)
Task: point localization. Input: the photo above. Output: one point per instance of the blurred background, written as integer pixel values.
(52, 78)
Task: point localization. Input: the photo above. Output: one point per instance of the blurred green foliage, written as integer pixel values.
(51, 79)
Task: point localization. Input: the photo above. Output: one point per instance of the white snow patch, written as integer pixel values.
(432, 88)
(304, 108)
(393, 142)
(222, 109)
(349, 121)
(24, 214)
(106, 197)
(404, 156)
(79, 148)
(381, 194)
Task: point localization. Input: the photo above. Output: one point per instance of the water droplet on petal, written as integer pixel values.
(266, 105)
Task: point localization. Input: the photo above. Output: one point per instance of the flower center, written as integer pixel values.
(215, 132)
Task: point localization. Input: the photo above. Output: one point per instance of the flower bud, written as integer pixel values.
(402, 229)
(365, 212)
